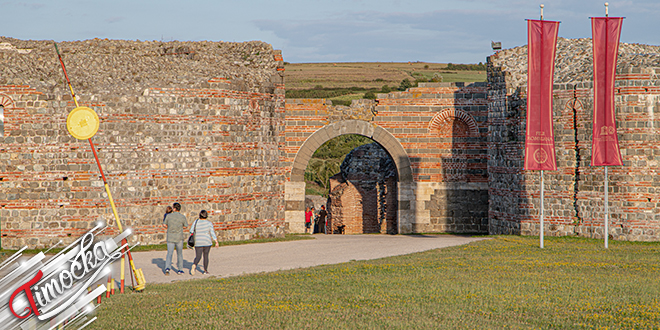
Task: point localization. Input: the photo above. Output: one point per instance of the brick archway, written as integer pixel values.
(6, 101)
(294, 196)
(456, 114)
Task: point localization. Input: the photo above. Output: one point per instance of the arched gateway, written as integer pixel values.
(295, 189)
(436, 135)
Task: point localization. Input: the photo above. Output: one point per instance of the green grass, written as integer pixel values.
(505, 282)
(338, 96)
(346, 99)
(6, 253)
(453, 76)
(312, 188)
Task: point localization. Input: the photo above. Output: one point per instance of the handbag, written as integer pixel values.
(191, 238)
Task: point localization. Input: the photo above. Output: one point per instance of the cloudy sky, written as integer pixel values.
(327, 31)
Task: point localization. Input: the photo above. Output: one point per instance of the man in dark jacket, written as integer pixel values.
(322, 215)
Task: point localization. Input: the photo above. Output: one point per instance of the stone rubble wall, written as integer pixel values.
(200, 123)
(574, 193)
(124, 67)
(573, 61)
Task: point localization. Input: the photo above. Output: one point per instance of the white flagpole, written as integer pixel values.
(607, 207)
(541, 236)
(607, 211)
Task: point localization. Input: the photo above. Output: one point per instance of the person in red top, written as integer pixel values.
(309, 212)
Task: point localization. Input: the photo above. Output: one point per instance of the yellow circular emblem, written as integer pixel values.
(540, 156)
(82, 123)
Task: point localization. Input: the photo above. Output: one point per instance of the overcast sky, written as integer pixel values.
(327, 31)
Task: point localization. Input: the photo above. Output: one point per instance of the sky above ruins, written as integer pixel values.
(327, 31)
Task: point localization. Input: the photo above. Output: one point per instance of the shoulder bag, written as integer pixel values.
(191, 238)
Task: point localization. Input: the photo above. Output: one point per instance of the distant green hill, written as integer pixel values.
(343, 82)
(326, 161)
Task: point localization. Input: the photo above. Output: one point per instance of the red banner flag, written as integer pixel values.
(540, 136)
(605, 143)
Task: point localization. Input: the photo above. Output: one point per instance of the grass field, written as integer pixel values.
(505, 282)
(369, 75)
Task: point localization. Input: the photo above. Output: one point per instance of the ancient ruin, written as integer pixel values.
(206, 124)
(196, 122)
(574, 193)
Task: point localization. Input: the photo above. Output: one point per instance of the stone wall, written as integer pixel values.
(363, 195)
(436, 134)
(206, 124)
(574, 196)
(443, 128)
(200, 123)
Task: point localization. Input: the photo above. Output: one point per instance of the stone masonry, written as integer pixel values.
(200, 123)
(574, 194)
(206, 124)
(436, 135)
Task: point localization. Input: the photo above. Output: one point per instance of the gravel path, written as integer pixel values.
(236, 260)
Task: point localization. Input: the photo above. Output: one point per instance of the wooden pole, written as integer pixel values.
(107, 189)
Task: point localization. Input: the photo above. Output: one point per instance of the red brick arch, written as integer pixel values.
(455, 114)
(6, 101)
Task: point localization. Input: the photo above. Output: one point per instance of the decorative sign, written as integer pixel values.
(539, 137)
(605, 143)
(82, 123)
(58, 292)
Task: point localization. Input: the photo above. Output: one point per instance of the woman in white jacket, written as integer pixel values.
(204, 233)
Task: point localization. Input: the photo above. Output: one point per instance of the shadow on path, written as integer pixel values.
(236, 260)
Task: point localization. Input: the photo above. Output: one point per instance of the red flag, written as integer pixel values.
(605, 143)
(540, 136)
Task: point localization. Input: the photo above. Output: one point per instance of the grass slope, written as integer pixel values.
(505, 282)
(326, 162)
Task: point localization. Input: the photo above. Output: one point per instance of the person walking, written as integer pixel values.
(204, 233)
(175, 223)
